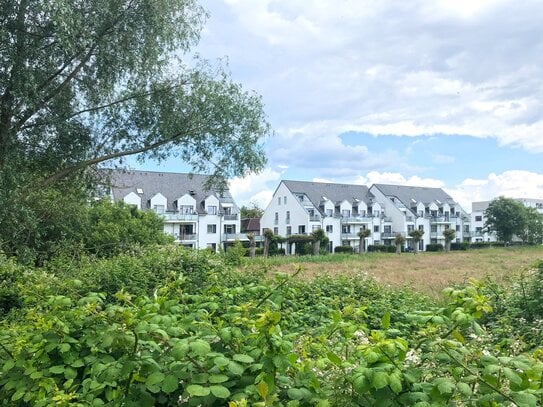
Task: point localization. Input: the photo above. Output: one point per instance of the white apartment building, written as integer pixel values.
(341, 210)
(428, 209)
(478, 218)
(195, 216)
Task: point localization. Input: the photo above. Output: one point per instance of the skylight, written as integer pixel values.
(139, 190)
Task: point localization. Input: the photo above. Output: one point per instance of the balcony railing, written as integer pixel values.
(231, 217)
(314, 218)
(183, 217)
(230, 237)
(356, 219)
(439, 219)
(186, 237)
(349, 236)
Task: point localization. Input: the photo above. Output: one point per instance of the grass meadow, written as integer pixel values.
(427, 272)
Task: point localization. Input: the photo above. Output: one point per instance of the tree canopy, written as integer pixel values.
(90, 82)
(506, 217)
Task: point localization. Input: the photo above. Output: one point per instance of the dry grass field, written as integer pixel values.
(427, 273)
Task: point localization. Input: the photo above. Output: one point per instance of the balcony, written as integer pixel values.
(182, 217)
(232, 237)
(314, 218)
(231, 217)
(439, 219)
(186, 237)
(356, 219)
(347, 236)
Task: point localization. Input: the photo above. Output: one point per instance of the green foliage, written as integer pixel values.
(114, 227)
(235, 254)
(91, 82)
(382, 248)
(251, 211)
(506, 217)
(460, 246)
(209, 336)
(434, 247)
(343, 249)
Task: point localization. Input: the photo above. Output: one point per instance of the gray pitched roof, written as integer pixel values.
(336, 193)
(425, 195)
(171, 185)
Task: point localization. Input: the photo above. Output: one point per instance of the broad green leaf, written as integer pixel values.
(445, 386)
(243, 358)
(220, 392)
(361, 384)
(263, 389)
(200, 347)
(512, 376)
(379, 380)
(464, 389)
(218, 378)
(295, 394)
(335, 359)
(57, 369)
(525, 399)
(235, 368)
(170, 384)
(197, 390)
(395, 383)
(154, 378)
(385, 321)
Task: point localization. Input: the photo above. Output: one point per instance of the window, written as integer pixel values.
(410, 228)
(275, 231)
(212, 246)
(387, 229)
(279, 200)
(479, 230)
(478, 218)
(158, 208)
(329, 228)
(433, 228)
(345, 213)
(329, 212)
(376, 229)
(285, 199)
(421, 227)
(212, 210)
(288, 217)
(458, 228)
(230, 229)
(276, 218)
(211, 228)
(139, 190)
(289, 230)
(345, 229)
(315, 228)
(301, 229)
(186, 209)
(227, 211)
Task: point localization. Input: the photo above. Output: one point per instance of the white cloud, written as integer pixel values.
(255, 188)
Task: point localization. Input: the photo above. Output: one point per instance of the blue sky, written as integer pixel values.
(445, 93)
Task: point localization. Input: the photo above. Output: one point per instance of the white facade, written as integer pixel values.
(194, 216)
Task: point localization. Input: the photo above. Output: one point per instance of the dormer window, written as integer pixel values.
(212, 210)
(139, 190)
(158, 208)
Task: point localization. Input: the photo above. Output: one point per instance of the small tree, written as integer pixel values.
(362, 235)
(449, 235)
(252, 245)
(318, 236)
(399, 240)
(416, 234)
(268, 237)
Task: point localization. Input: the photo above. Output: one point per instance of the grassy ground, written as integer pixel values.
(427, 273)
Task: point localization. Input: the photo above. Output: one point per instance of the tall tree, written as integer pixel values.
(416, 235)
(90, 82)
(533, 226)
(506, 217)
(251, 211)
(318, 236)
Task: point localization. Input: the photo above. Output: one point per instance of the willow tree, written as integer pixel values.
(90, 82)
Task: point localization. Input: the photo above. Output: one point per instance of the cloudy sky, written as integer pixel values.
(444, 93)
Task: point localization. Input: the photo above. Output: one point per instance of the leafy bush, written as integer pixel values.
(460, 246)
(434, 247)
(343, 249)
(235, 253)
(382, 248)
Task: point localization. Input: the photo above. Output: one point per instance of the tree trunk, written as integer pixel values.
(266, 247)
(361, 248)
(398, 248)
(416, 247)
(316, 247)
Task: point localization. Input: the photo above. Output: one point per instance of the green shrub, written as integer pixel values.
(343, 249)
(460, 246)
(434, 247)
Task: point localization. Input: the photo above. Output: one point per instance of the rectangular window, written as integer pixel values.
(376, 229)
(410, 228)
(158, 208)
(346, 213)
(458, 228)
(289, 230)
(288, 217)
(479, 230)
(212, 210)
(211, 228)
(186, 209)
(301, 229)
(478, 219)
(285, 199)
(329, 228)
(345, 229)
(433, 228)
(387, 229)
(329, 212)
(315, 227)
(275, 231)
(279, 200)
(230, 229)
(276, 221)
(421, 227)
